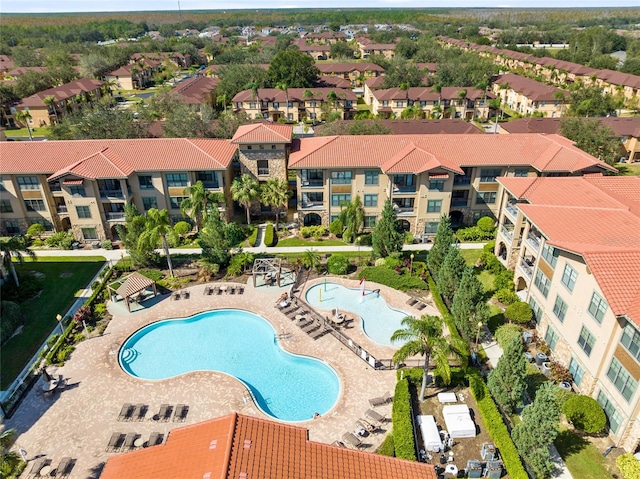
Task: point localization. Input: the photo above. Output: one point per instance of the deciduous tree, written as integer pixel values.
(593, 137)
(293, 67)
(213, 241)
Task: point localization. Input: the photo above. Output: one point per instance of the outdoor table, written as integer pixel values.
(138, 442)
(337, 319)
(45, 471)
(299, 317)
(451, 469)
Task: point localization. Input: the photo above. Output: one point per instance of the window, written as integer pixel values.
(403, 180)
(488, 175)
(569, 277)
(34, 205)
(77, 190)
(576, 371)
(431, 228)
(149, 202)
(621, 379)
(586, 341)
(370, 177)
(521, 172)
(89, 233)
(336, 200)
(399, 104)
(28, 183)
(176, 179)
(385, 103)
(537, 310)
(341, 177)
(609, 409)
(436, 185)
(560, 308)
(83, 211)
(631, 340)
(311, 177)
(313, 197)
(551, 338)
(12, 227)
(290, 116)
(542, 282)
(403, 203)
(252, 105)
(371, 200)
(290, 105)
(597, 307)
(5, 206)
(263, 167)
(369, 221)
(434, 206)
(550, 254)
(276, 105)
(423, 103)
(208, 178)
(487, 197)
(2, 188)
(174, 201)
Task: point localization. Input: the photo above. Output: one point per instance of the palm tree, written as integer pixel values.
(15, 247)
(308, 94)
(424, 337)
(244, 190)
(25, 116)
(198, 203)
(559, 96)
(158, 226)
(10, 460)
(255, 94)
(222, 100)
(285, 88)
(438, 89)
(311, 258)
(275, 192)
(462, 97)
(50, 101)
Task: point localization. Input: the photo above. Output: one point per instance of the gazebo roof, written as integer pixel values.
(135, 282)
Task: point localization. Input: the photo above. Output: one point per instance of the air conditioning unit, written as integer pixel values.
(488, 452)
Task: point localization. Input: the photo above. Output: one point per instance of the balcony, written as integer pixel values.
(507, 233)
(512, 210)
(404, 212)
(62, 209)
(526, 265)
(404, 189)
(460, 202)
(533, 241)
(115, 216)
(108, 194)
(311, 206)
(211, 185)
(461, 180)
(312, 184)
(55, 187)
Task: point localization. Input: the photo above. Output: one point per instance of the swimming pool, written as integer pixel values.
(239, 343)
(379, 321)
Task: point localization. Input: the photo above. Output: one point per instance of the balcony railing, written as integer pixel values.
(62, 209)
(507, 233)
(312, 183)
(512, 210)
(404, 188)
(111, 194)
(534, 241)
(526, 265)
(311, 206)
(405, 211)
(115, 216)
(55, 187)
(211, 185)
(461, 180)
(464, 202)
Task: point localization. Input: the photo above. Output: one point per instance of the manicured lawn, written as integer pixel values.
(471, 255)
(63, 279)
(583, 460)
(486, 278)
(309, 242)
(628, 169)
(23, 132)
(496, 318)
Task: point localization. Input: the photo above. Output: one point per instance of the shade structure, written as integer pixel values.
(134, 283)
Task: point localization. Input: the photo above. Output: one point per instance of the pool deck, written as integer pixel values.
(78, 419)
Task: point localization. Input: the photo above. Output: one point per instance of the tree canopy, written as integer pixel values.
(293, 68)
(386, 237)
(593, 137)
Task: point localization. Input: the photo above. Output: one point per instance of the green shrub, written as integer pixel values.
(253, 237)
(387, 448)
(629, 466)
(408, 238)
(107, 244)
(316, 231)
(152, 274)
(336, 227)
(380, 262)
(413, 375)
(10, 318)
(474, 233)
(239, 263)
(78, 337)
(403, 437)
(496, 428)
(504, 280)
(306, 231)
(518, 312)
(235, 234)
(338, 264)
(505, 334)
(388, 277)
(37, 242)
(489, 247)
(392, 263)
(459, 377)
(270, 235)
(506, 296)
(99, 310)
(181, 228)
(486, 223)
(35, 230)
(585, 414)
(63, 353)
(366, 239)
(61, 240)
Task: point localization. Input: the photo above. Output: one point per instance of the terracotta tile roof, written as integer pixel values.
(171, 154)
(16, 72)
(548, 153)
(375, 83)
(263, 133)
(193, 90)
(126, 70)
(529, 88)
(62, 92)
(412, 159)
(430, 67)
(237, 446)
(348, 67)
(429, 94)
(425, 127)
(619, 78)
(6, 63)
(104, 164)
(620, 126)
(596, 217)
(295, 94)
(328, 81)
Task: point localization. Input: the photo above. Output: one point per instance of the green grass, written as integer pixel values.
(309, 242)
(64, 278)
(628, 169)
(23, 132)
(471, 255)
(496, 318)
(486, 278)
(363, 107)
(581, 457)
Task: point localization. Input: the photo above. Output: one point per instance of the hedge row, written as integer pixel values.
(270, 237)
(387, 448)
(403, 437)
(496, 428)
(388, 277)
(253, 237)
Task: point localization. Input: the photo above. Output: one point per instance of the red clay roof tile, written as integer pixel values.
(263, 133)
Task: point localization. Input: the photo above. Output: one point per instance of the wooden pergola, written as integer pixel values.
(134, 283)
(267, 266)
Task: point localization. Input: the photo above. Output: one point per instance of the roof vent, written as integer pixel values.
(247, 443)
(207, 475)
(243, 475)
(213, 444)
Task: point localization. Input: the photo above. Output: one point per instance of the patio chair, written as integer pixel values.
(241, 290)
(366, 425)
(129, 440)
(139, 412)
(375, 416)
(232, 290)
(64, 468)
(319, 333)
(339, 444)
(352, 440)
(164, 414)
(186, 295)
(421, 305)
(154, 439)
(175, 296)
(218, 290)
(38, 464)
(180, 414)
(311, 327)
(412, 301)
(125, 413)
(379, 401)
(115, 443)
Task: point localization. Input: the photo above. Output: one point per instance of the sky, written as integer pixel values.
(39, 6)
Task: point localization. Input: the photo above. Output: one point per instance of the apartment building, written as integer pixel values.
(197, 90)
(134, 76)
(529, 97)
(449, 102)
(65, 99)
(296, 104)
(425, 176)
(368, 48)
(574, 244)
(83, 185)
(356, 73)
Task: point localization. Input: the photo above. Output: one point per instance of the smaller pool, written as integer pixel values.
(379, 321)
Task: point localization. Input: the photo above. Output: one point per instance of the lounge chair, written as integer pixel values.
(64, 468)
(154, 439)
(339, 444)
(218, 290)
(129, 440)
(375, 416)
(139, 412)
(232, 290)
(366, 425)
(164, 414)
(186, 295)
(421, 305)
(319, 333)
(115, 443)
(125, 413)
(379, 401)
(312, 326)
(175, 296)
(241, 290)
(180, 414)
(412, 301)
(39, 464)
(351, 439)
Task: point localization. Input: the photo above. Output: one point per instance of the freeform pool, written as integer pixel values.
(379, 321)
(239, 343)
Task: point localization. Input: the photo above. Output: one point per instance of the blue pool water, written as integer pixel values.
(241, 344)
(378, 320)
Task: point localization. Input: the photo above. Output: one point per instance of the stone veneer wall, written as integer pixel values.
(324, 215)
(100, 231)
(277, 169)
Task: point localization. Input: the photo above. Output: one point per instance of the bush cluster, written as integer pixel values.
(387, 448)
(389, 277)
(585, 413)
(459, 377)
(336, 227)
(506, 296)
(60, 240)
(505, 334)
(403, 437)
(496, 428)
(316, 231)
(270, 235)
(474, 233)
(338, 264)
(629, 466)
(366, 239)
(107, 244)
